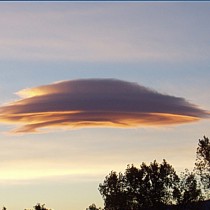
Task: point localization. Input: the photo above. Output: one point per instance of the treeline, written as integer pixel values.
(158, 187)
(38, 206)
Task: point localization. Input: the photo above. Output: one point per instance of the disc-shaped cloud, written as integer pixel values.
(96, 102)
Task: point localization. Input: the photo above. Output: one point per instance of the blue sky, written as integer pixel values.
(160, 45)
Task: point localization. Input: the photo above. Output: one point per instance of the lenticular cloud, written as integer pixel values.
(96, 102)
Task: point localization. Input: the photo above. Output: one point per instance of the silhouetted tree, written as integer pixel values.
(155, 186)
(189, 191)
(147, 187)
(203, 163)
(93, 207)
(113, 192)
(40, 207)
(151, 186)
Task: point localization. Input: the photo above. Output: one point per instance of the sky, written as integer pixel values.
(89, 87)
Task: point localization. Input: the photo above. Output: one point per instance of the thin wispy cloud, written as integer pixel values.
(63, 33)
(96, 102)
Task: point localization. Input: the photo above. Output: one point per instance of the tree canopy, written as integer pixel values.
(156, 186)
(39, 206)
(93, 207)
(152, 186)
(202, 165)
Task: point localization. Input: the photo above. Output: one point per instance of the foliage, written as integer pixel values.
(151, 185)
(188, 189)
(93, 207)
(143, 188)
(113, 191)
(40, 207)
(203, 163)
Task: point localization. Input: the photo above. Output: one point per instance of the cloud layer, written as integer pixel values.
(96, 102)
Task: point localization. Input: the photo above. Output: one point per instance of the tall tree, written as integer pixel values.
(147, 187)
(189, 189)
(203, 163)
(113, 192)
(152, 185)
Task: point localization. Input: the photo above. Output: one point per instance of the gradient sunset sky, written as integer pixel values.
(89, 87)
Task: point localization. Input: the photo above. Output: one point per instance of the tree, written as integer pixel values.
(156, 185)
(202, 164)
(151, 186)
(93, 207)
(40, 207)
(113, 192)
(147, 187)
(189, 190)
